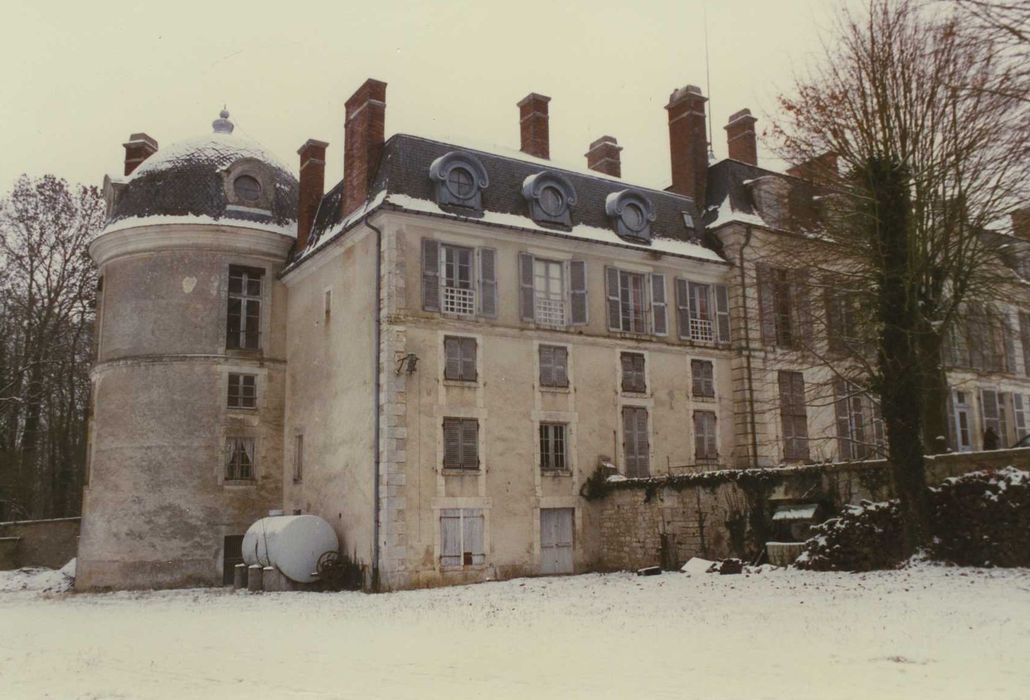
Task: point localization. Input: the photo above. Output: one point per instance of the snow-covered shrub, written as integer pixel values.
(982, 519)
(862, 538)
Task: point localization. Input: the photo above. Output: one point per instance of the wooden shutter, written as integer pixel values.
(488, 282)
(546, 353)
(561, 366)
(989, 401)
(766, 303)
(473, 550)
(658, 303)
(450, 537)
(526, 287)
(611, 281)
(430, 275)
(800, 289)
(1024, 336)
(793, 415)
(1010, 344)
(634, 429)
(834, 319)
(682, 308)
(578, 291)
(841, 411)
(643, 448)
(699, 437)
(705, 436)
(470, 444)
(468, 359)
(451, 443)
(452, 358)
(1020, 415)
(722, 313)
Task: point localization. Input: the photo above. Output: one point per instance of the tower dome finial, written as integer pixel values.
(222, 125)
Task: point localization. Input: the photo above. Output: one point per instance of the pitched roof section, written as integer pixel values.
(404, 170)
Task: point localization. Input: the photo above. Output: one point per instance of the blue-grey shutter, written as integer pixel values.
(611, 277)
(468, 359)
(451, 443)
(561, 366)
(526, 286)
(469, 443)
(546, 353)
(452, 358)
(722, 313)
(766, 303)
(578, 291)
(488, 282)
(658, 304)
(430, 275)
(682, 308)
(1010, 344)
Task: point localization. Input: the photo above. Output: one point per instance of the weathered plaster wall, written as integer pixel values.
(50, 543)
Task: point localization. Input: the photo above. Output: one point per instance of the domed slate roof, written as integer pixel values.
(196, 177)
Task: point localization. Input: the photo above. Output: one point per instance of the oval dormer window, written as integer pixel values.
(633, 217)
(552, 201)
(461, 183)
(460, 180)
(550, 197)
(247, 188)
(632, 214)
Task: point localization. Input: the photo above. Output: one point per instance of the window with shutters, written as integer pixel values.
(461, 537)
(554, 366)
(1020, 406)
(703, 312)
(702, 376)
(461, 443)
(633, 378)
(551, 292)
(961, 422)
(1024, 336)
(793, 416)
(239, 459)
(636, 444)
(706, 439)
(841, 320)
(859, 425)
(243, 321)
(548, 292)
(553, 447)
(983, 341)
(636, 302)
(459, 281)
(242, 391)
(994, 418)
(784, 307)
(459, 359)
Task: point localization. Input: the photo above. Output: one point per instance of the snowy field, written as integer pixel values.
(924, 632)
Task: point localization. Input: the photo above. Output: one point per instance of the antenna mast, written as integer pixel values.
(708, 86)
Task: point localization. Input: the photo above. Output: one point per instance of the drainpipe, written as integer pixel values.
(747, 351)
(377, 365)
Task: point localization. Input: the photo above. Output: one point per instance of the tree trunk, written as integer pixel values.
(935, 392)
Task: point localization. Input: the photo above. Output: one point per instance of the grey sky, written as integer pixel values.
(78, 77)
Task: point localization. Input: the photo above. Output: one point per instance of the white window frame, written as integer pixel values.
(457, 300)
(231, 473)
(550, 308)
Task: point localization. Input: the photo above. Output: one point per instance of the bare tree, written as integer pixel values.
(929, 135)
(46, 318)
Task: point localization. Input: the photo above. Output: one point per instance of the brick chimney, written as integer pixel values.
(688, 143)
(312, 187)
(364, 133)
(820, 168)
(603, 156)
(138, 148)
(533, 125)
(1021, 223)
(740, 137)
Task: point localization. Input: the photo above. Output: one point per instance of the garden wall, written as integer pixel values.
(714, 515)
(50, 543)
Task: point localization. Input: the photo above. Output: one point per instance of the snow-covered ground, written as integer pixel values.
(924, 632)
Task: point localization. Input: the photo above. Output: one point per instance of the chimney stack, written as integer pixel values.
(1021, 223)
(312, 187)
(740, 137)
(364, 134)
(138, 148)
(819, 169)
(603, 156)
(533, 125)
(688, 143)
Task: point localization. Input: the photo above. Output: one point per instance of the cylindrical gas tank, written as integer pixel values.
(293, 543)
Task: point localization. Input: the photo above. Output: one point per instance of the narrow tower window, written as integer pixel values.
(243, 321)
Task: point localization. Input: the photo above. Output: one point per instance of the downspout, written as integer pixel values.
(747, 350)
(377, 342)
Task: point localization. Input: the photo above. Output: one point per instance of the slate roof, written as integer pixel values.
(404, 169)
(729, 193)
(186, 179)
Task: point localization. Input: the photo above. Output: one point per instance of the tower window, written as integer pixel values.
(239, 459)
(247, 188)
(243, 322)
(242, 391)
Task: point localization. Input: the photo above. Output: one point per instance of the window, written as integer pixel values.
(449, 282)
(460, 179)
(703, 311)
(994, 418)
(961, 422)
(632, 214)
(793, 416)
(298, 458)
(543, 298)
(629, 294)
(244, 317)
(859, 425)
(552, 447)
(247, 188)
(459, 359)
(242, 391)
(784, 309)
(706, 440)
(554, 366)
(633, 372)
(550, 197)
(1019, 409)
(460, 443)
(841, 320)
(461, 537)
(984, 341)
(239, 459)
(702, 377)
(635, 441)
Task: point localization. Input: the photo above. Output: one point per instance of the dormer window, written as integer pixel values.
(248, 185)
(247, 188)
(632, 214)
(460, 179)
(550, 197)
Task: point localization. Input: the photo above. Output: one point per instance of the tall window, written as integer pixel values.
(450, 283)
(461, 537)
(459, 358)
(702, 376)
(554, 366)
(242, 391)
(552, 447)
(548, 292)
(551, 292)
(633, 378)
(627, 302)
(239, 459)
(859, 425)
(458, 294)
(244, 318)
(298, 458)
(995, 417)
(704, 311)
(961, 422)
(793, 415)
(706, 440)
(1024, 335)
(461, 443)
(635, 441)
(784, 306)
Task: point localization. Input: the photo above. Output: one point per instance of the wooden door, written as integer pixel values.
(556, 540)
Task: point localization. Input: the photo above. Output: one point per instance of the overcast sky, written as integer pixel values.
(76, 77)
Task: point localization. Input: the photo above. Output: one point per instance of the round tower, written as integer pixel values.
(186, 433)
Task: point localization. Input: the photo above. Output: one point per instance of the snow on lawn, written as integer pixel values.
(924, 632)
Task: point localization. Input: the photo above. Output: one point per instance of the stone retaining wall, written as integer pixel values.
(50, 543)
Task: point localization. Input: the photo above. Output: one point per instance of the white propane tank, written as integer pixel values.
(293, 543)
